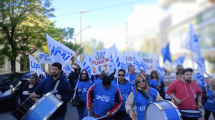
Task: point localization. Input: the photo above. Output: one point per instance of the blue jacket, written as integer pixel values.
(125, 90)
(63, 89)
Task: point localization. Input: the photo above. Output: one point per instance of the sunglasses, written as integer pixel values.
(121, 75)
(83, 73)
(179, 69)
(139, 81)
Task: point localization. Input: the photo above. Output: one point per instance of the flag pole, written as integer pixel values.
(193, 63)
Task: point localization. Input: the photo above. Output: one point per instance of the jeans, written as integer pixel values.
(122, 115)
(207, 114)
(58, 118)
(82, 111)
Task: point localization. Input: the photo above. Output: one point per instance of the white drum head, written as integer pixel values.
(153, 113)
(89, 118)
(190, 111)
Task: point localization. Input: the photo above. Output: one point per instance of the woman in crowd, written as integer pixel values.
(29, 87)
(157, 82)
(137, 100)
(82, 87)
(208, 99)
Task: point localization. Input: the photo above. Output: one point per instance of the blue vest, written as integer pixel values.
(153, 83)
(141, 102)
(104, 100)
(84, 91)
(125, 90)
(132, 78)
(209, 104)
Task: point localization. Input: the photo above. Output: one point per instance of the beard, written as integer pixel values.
(55, 74)
(188, 81)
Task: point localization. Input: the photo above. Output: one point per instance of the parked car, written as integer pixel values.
(17, 80)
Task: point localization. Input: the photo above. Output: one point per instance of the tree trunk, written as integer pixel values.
(13, 66)
(25, 65)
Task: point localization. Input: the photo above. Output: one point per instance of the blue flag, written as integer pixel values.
(180, 60)
(166, 54)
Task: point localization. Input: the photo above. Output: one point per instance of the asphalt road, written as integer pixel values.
(72, 114)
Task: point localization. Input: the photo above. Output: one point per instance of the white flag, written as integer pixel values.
(159, 69)
(43, 58)
(200, 75)
(67, 69)
(59, 52)
(87, 63)
(191, 42)
(139, 64)
(78, 62)
(112, 65)
(35, 66)
(120, 62)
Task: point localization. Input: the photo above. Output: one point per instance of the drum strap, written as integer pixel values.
(144, 94)
(56, 85)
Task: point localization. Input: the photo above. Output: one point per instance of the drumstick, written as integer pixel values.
(132, 117)
(184, 98)
(100, 117)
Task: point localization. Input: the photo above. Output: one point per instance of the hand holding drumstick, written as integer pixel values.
(179, 101)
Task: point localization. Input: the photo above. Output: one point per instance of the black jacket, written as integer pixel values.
(63, 89)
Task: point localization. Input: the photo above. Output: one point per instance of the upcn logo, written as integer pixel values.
(103, 98)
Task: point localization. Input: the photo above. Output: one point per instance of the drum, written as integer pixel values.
(89, 118)
(163, 110)
(44, 108)
(22, 108)
(191, 113)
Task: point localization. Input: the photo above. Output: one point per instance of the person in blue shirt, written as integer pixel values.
(142, 72)
(83, 84)
(132, 75)
(209, 98)
(125, 88)
(63, 91)
(136, 103)
(107, 99)
(156, 81)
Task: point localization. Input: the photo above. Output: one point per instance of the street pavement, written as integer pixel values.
(72, 114)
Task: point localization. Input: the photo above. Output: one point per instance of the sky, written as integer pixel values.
(106, 18)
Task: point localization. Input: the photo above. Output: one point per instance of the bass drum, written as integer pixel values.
(163, 110)
(22, 108)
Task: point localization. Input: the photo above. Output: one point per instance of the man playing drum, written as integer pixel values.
(63, 90)
(183, 92)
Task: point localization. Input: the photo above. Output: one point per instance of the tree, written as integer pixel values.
(75, 47)
(23, 25)
(92, 44)
(150, 45)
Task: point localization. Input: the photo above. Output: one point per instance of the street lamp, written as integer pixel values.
(80, 32)
(82, 11)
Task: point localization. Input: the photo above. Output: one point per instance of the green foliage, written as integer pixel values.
(211, 59)
(77, 48)
(23, 27)
(92, 44)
